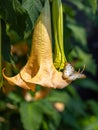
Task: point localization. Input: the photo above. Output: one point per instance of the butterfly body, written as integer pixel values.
(70, 74)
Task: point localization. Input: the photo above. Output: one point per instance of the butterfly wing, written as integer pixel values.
(68, 70)
(76, 75)
(70, 74)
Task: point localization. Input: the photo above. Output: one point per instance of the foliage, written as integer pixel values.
(60, 109)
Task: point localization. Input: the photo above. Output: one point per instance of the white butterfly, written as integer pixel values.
(70, 74)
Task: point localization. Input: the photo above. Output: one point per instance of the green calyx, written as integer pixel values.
(57, 19)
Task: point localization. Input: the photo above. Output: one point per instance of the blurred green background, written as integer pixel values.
(72, 108)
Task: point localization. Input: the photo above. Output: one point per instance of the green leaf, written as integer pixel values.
(93, 106)
(5, 43)
(72, 91)
(79, 33)
(13, 14)
(67, 41)
(69, 119)
(87, 83)
(46, 107)
(78, 4)
(31, 116)
(90, 123)
(56, 96)
(33, 8)
(93, 4)
(83, 58)
(21, 16)
(13, 35)
(14, 97)
(35, 112)
(6, 11)
(2, 105)
(77, 106)
(18, 7)
(68, 10)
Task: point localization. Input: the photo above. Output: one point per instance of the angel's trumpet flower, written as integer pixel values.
(39, 68)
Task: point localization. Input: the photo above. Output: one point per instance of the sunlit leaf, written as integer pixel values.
(31, 116)
(90, 123)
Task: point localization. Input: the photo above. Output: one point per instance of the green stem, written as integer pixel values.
(57, 54)
(60, 35)
(57, 13)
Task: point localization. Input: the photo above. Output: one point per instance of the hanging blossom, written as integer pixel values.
(39, 68)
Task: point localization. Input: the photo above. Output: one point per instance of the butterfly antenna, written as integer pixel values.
(83, 69)
(79, 71)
